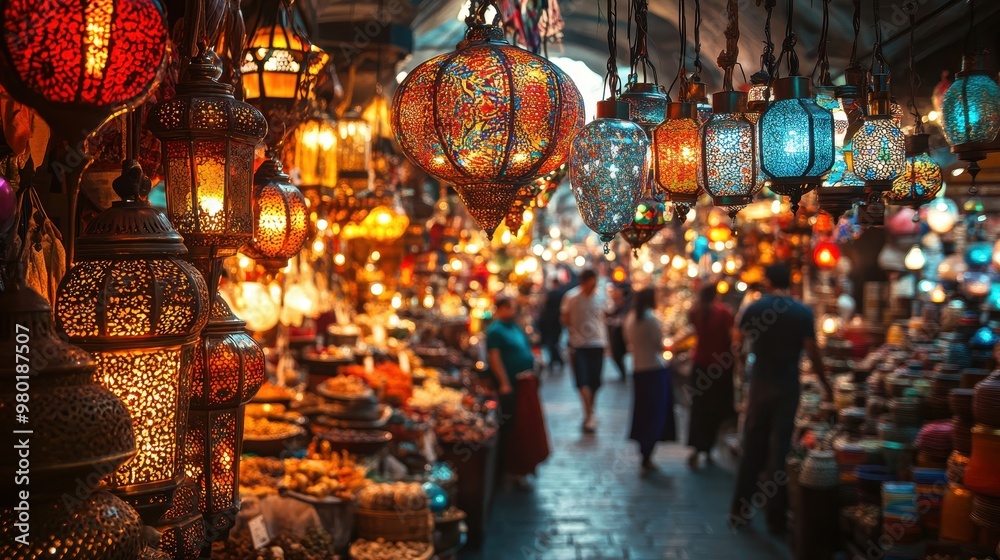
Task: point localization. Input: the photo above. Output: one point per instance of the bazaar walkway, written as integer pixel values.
(590, 502)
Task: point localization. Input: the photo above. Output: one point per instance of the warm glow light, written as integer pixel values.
(826, 255)
(693, 270)
(691, 215)
(537, 249)
(647, 267)
(561, 256)
(664, 260)
(322, 224)
(377, 289)
(678, 262)
(957, 171)
(776, 206)
(428, 301)
(722, 287)
(547, 255)
(318, 246)
(339, 259)
(456, 265)
(580, 261)
(829, 325)
(554, 232)
(914, 259)
(941, 215)
(618, 275)
(938, 295)
(730, 266)
(505, 237)
(376, 256)
(716, 267)
(741, 286)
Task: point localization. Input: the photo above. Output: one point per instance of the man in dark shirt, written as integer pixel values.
(773, 332)
(549, 325)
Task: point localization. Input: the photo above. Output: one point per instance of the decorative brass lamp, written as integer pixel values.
(132, 302)
(313, 152)
(182, 528)
(354, 154)
(280, 217)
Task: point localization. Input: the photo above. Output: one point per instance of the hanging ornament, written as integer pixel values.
(549, 183)
(525, 198)
(280, 217)
(487, 117)
(650, 217)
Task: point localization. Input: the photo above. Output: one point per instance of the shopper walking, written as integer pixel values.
(549, 325)
(583, 314)
(511, 361)
(777, 328)
(711, 382)
(619, 306)
(653, 400)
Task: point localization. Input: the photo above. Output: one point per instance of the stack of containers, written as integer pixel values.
(982, 475)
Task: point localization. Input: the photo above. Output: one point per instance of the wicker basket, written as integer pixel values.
(395, 525)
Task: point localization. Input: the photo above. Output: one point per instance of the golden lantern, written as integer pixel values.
(137, 307)
(313, 152)
(676, 156)
(228, 370)
(280, 63)
(182, 527)
(354, 154)
(385, 223)
(280, 217)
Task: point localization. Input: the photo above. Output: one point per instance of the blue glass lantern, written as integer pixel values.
(796, 139)
(609, 166)
(647, 104)
(879, 153)
(979, 255)
(728, 170)
(970, 114)
(841, 188)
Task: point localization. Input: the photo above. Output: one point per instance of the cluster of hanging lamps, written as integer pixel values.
(677, 143)
(487, 117)
(796, 135)
(921, 179)
(728, 167)
(609, 158)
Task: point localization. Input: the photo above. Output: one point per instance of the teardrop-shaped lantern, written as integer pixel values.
(879, 152)
(970, 113)
(796, 139)
(676, 157)
(728, 170)
(487, 117)
(608, 168)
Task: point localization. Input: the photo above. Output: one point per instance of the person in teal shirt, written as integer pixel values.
(509, 354)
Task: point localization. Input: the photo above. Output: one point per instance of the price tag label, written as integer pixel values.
(258, 532)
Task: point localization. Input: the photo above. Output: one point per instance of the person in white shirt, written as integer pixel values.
(582, 313)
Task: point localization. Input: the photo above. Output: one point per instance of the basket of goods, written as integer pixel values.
(346, 388)
(356, 442)
(273, 393)
(397, 511)
(260, 476)
(382, 549)
(315, 544)
(325, 362)
(276, 412)
(262, 436)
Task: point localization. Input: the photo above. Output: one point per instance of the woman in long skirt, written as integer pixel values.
(711, 385)
(653, 402)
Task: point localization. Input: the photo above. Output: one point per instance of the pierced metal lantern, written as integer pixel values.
(647, 104)
(676, 157)
(228, 370)
(728, 170)
(487, 117)
(921, 180)
(525, 198)
(313, 151)
(275, 66)
(281, 219)
(796, 138)
(608, 168)
(208, 140)
(650, 217)
(182, 528)
(385, 222)
(970, 113)
(137, 307)
(78, 63)
(879, 147)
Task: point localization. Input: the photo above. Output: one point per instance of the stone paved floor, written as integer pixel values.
(590, 502)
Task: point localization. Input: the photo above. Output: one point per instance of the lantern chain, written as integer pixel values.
(611, 80)
(729, 57)
(877, 55)
(697, 42)
(639, 50)
(767, 61)
(856, 24)
(822, 67)
(918, 126)
(681, 77)
(971, 36)
(788, 45)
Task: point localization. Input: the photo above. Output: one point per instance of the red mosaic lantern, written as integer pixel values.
(487, 117)
(79, 62)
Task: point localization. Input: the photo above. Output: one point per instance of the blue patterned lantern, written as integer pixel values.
(970, 114)
(609, 166)
(796, 139)
(879, 145)
(647, 104)
(728, 170)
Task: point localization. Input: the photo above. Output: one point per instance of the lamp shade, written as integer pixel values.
(354, 155)
(676, 156)
(137, 307)
(728, 170)
(879, 147)
(280, 217)
(796, 138)
(208, 140)
(608, 168)
(228, 370)
(385, 222)
(758, 96)
(970, 112)
(314, 152)
(487, 117)
(276, 61)
(78, 63)
(920, 180)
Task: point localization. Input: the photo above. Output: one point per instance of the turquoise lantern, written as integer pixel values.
(970, 114)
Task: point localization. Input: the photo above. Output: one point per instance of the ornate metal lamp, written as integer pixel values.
(314, 151)
(132, 302)
(466, 118)
(281, 220)
(354, 154)
(182, 527)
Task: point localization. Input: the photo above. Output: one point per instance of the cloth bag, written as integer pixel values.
(528, 445)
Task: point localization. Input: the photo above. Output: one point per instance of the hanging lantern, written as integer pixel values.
(697, 94)
(796, 139)
(280, 217)
(354, 154)
(314, 152)
(549, 183)
(758, 96)
(676, 157)
(841, 188)
(78, 63)
(879, 148)
(728, 170)
(377, 116)
(941, 215)
(921, 180)
(609, 165)
(228, 370)
(647, 104)
(525, 198)
(970, 114)
(826, 255)
(208, 140)
(138, 308)
(650, 217)
(487, 117)
(275, 61)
